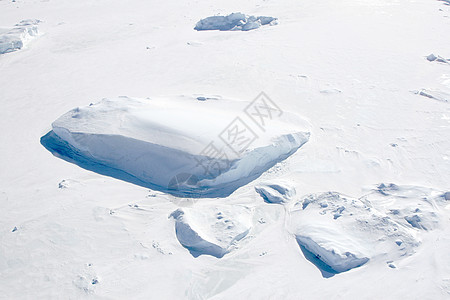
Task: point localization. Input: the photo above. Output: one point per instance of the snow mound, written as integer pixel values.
(13, 39)
(234, 21)
(178, 145)
(275, 192)
(343, 233)
(211, 230)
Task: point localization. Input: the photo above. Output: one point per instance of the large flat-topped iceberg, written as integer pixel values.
(187, 146)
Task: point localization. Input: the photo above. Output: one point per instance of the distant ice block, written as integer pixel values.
(13, 39)
(234, 21)
(178, 145)
(341, 233)
(211, 230)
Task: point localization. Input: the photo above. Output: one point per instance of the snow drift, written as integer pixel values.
(234, 21)
(178, 145)
(211, 230)
(15, 38)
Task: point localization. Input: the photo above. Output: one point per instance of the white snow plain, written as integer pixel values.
(374, 171)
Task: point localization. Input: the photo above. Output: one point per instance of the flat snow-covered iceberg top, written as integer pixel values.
(12, 39)
(234, 22)
(187, 146)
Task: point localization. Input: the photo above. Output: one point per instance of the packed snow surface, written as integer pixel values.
(180, 145)
(234, 21)
(15, 38)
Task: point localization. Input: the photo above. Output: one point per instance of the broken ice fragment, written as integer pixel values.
(234, 22)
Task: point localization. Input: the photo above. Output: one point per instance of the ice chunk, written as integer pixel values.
(438, 58)
(267, 20)
(178, 145)
(234, 21)
(431, 57)
(250, 25)
(344, 233)
(415, 221)
(334, 253)
(275, 193)
(446, 195)
(13, 39)
(29, 22)
(435, 94)
(211, 230)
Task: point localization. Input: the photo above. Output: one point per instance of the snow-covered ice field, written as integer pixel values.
(343, 194)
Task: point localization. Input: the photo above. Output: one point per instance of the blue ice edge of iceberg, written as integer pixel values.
(64, 150)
